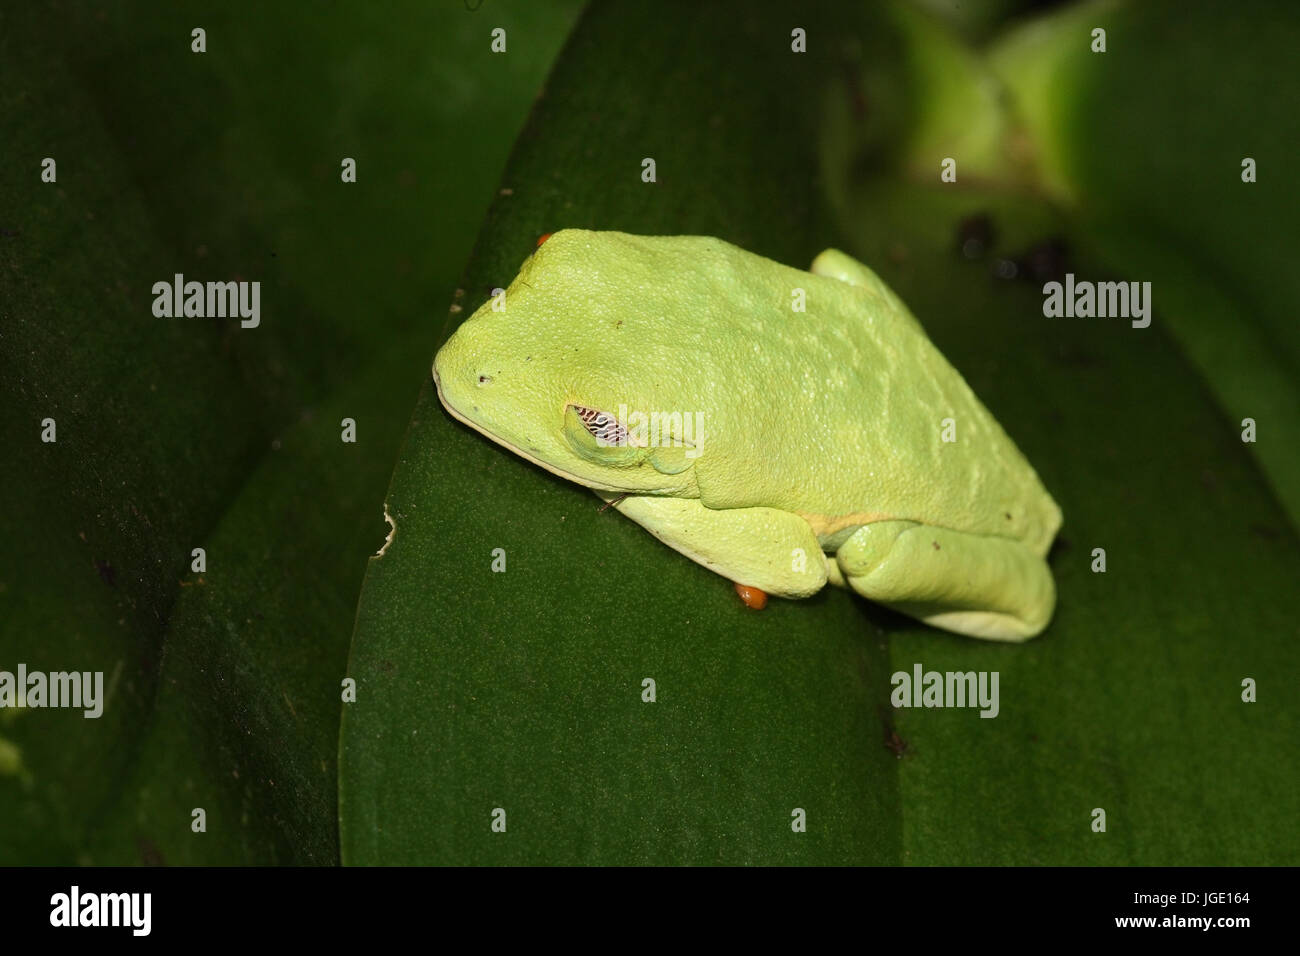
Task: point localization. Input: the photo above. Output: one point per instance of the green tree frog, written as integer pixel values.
(784, 428)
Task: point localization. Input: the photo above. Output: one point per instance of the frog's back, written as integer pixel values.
(839, 412)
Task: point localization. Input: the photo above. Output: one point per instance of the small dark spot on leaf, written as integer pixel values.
(894, 743)
(106, 572)
(935, 544)
(856, 91)
(1008, 515)
(150, 855)
(1072, 356)
(1044, 260)
(975, 236)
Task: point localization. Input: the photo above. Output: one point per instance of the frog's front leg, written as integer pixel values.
(980, 585)
(774, 551)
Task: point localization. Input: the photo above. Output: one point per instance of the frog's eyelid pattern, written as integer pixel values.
(604, 427)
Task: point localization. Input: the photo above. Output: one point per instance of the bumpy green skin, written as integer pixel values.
(821, 456)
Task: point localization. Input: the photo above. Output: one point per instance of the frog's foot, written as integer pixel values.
(979, 585)
(752, 596)
(761, 549)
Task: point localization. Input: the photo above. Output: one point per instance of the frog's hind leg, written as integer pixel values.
(839, 265)
(979, 585)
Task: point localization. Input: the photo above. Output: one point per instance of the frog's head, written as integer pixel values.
(572, 370)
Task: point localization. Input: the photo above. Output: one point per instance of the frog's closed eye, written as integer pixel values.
(600, 437)
(604, 427)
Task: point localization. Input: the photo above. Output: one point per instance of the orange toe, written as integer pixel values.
(752, 597)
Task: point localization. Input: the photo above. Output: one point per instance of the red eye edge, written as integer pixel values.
(542, 238)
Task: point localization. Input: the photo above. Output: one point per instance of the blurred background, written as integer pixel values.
(1115, 141)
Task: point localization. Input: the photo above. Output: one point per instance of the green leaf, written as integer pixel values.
(224, 687)
(522, 690)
